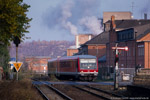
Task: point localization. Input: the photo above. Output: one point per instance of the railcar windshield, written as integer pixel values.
(88, 64)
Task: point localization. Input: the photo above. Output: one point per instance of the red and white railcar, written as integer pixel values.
(82, 67)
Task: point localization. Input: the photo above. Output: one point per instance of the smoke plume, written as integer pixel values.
(75, 16)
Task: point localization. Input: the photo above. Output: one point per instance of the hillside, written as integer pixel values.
(41, 48)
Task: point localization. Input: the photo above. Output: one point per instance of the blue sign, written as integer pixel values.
(12, 59)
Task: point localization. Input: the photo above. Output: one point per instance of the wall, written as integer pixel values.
(70, 52)
(147, 54)
(37, 64)
(82, 38)
(118, 15)
(97, 50)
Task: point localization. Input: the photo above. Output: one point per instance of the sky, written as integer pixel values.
(63, 19)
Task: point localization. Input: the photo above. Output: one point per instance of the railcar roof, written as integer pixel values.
(51, 60)
(74, 57)
(78, 56)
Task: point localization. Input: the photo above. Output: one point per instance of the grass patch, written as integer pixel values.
(18, 90)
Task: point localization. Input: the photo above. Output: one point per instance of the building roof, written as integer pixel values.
(102, 59)
(140, 25)
(129, 23)
(142, 35)
(102, 38)
(72, 47)
(40, 57)
(141, 31)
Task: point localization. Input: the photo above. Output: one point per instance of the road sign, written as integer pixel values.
(17, 65)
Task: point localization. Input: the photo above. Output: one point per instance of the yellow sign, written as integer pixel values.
(17, 65)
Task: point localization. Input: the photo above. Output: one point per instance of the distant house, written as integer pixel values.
(37, 64)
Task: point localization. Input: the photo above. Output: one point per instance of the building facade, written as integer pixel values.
(137, 39)
(37, 64)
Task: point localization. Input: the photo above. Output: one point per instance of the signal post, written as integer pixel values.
(116, 48)
(17, 65)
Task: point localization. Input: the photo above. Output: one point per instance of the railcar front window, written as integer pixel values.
(88, 64)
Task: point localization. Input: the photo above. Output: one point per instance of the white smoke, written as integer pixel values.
(66, 13)
(92, 23)
(75, 16)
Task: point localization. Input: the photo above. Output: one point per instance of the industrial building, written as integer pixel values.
(133, 33)
(136, 38)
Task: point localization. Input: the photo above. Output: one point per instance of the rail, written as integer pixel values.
(60, 93)
(43, 95)
(64, 96)
(95, 94)
(100, 90)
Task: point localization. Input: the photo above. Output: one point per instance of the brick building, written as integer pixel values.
(96, 46)
(79, 40)
(37, 64)
(72, 50)
(136, 37)
(101, 44)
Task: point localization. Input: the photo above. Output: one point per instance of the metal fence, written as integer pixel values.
(125, 74)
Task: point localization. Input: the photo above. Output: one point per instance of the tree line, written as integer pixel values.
(13, 23)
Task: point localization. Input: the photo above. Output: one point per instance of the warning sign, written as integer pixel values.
(17, 65)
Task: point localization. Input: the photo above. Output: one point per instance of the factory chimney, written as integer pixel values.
(145, 16)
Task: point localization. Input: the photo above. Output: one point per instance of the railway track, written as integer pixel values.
(49, 92)
(99, 93)
(77, 92)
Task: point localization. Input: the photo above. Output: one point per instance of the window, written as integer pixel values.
(141, 51)
(134, 52)
(125, 35)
